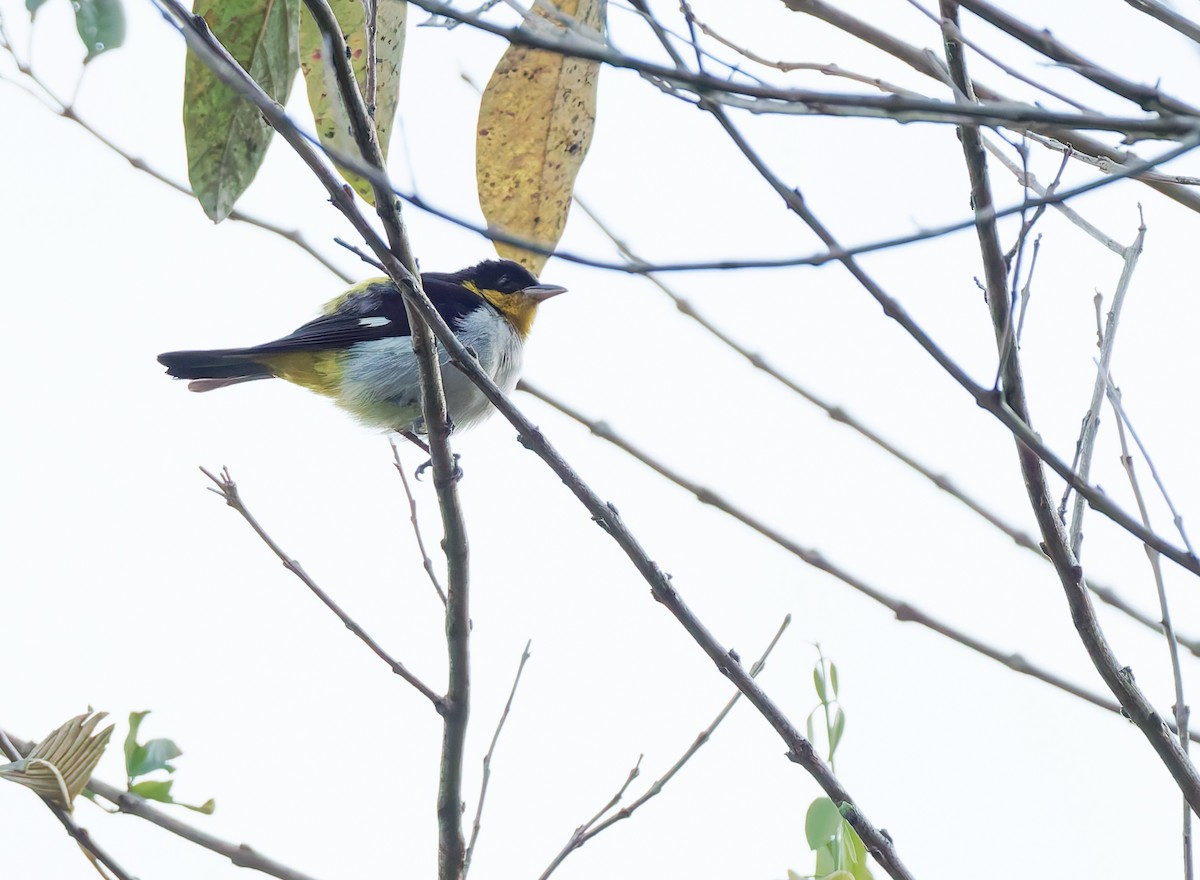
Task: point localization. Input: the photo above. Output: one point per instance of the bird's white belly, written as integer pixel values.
(381, 387)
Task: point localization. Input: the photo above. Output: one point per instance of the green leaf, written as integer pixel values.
(855, 854)
(833, 681)
(101, 24)
(154, 790)
(226, 136)
(160, 790)
(154, 755)
(821, 823)
(131, 743)
(826, 860)
(206, 808)
(808, 724)
(836, 729)
(819, 680)
(330, 114)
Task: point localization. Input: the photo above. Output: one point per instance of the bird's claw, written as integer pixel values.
(455, 475)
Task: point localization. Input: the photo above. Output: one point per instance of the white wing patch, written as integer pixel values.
(377, 321)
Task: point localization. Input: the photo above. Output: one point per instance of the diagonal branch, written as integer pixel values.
(228, 490)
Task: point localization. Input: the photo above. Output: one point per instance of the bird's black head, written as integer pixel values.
(502, 276)
(511, 288)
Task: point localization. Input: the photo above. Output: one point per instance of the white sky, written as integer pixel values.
(127, 586)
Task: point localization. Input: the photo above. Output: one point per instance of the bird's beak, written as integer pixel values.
(540, 292)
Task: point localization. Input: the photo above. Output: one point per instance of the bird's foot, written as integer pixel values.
(455, 475)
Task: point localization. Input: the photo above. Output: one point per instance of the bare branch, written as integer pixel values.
(228, 490)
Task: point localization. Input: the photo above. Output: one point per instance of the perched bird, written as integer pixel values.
(359, 351)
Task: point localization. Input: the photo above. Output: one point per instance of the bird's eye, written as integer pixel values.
(502, 282)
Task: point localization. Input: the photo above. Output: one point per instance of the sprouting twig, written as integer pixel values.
(360, 253)
(487, 759)
(228, 490)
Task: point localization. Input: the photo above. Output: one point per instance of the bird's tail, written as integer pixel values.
(214, 369)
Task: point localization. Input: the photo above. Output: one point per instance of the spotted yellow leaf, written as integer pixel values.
(535, 125)
(329, 111)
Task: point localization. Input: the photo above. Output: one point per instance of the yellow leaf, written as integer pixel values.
(535, 125)
(329, 111)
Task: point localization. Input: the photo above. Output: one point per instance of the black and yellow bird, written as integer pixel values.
(359, 351)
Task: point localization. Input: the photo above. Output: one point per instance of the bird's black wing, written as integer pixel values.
(373, 311)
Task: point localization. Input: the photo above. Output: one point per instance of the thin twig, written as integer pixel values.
(1168, 16)
(426, 562)
(1091, 420)
(1149, 98)
(487, 759)
(998, 62)
(1182, 712)
(1176, 516)
(227, 489)
(601, 821)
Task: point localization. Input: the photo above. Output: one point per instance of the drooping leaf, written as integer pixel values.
(60, 766)
(819, 680)
(226, 136)
(535, 125)
(821, 822)
(100, 23)
(324, 98)
(836, 730)
(854, 854)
